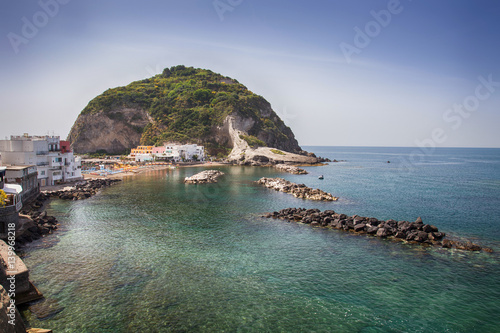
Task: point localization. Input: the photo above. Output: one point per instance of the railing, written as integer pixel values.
(16, 205)
(42, 163)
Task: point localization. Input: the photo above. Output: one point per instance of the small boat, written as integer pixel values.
(321, 177)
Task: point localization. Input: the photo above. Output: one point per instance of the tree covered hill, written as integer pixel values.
(183, 104)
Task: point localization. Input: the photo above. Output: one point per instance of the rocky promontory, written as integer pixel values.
(182, 103)
(297, 190)
(412, 232)
(207, 176)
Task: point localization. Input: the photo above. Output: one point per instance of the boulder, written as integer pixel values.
(382, 232)
(468, 246)
(400, 235)
(421, 236)
(359, 227)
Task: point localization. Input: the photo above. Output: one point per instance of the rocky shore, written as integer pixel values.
(82, 190)
(207, 176)
(412, 232)
(297, 190)
(291, 169)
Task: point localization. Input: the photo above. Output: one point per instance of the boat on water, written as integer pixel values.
(321, 177)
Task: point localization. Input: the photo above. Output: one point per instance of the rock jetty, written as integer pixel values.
(297, 190)
(291, 169)
(207, 176)
(412, 232)
(82, 190)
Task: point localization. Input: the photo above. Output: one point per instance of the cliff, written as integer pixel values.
(182, 104)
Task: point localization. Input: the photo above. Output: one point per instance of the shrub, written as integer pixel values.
(253, 141)
(278, 152)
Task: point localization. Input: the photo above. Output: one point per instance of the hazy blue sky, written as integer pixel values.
(374, 73)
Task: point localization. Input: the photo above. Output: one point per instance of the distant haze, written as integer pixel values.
(347, 73)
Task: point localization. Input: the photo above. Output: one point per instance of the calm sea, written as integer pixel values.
(152, 254)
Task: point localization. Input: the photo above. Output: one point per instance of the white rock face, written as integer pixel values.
(242, 153)
(207, 176)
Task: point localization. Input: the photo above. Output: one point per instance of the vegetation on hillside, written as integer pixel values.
(252, 141)
(277, 152)
(186, 103)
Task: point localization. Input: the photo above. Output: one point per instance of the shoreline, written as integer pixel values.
(123, 174)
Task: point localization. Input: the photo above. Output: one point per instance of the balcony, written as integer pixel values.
(42, 163)
(13, 203)
(41, 153)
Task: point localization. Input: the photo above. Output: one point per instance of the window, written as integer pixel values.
(42, 173)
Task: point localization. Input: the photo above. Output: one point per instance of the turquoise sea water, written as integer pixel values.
(152, 254)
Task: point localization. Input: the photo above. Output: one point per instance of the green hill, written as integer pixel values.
(182, 104)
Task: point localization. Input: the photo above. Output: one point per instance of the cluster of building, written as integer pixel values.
(29, 162)
(170, 152)
(48, 156)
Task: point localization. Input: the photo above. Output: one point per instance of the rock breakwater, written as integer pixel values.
(82, 190)
(207, 176)
(412, 232)
(297, 190)
(291, 169)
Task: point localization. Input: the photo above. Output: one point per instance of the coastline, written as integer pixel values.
(129, 173)
(346, 241)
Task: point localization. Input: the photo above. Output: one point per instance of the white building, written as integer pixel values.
(177, 152)
(26, 176)
(53, 158)
(143, 157)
